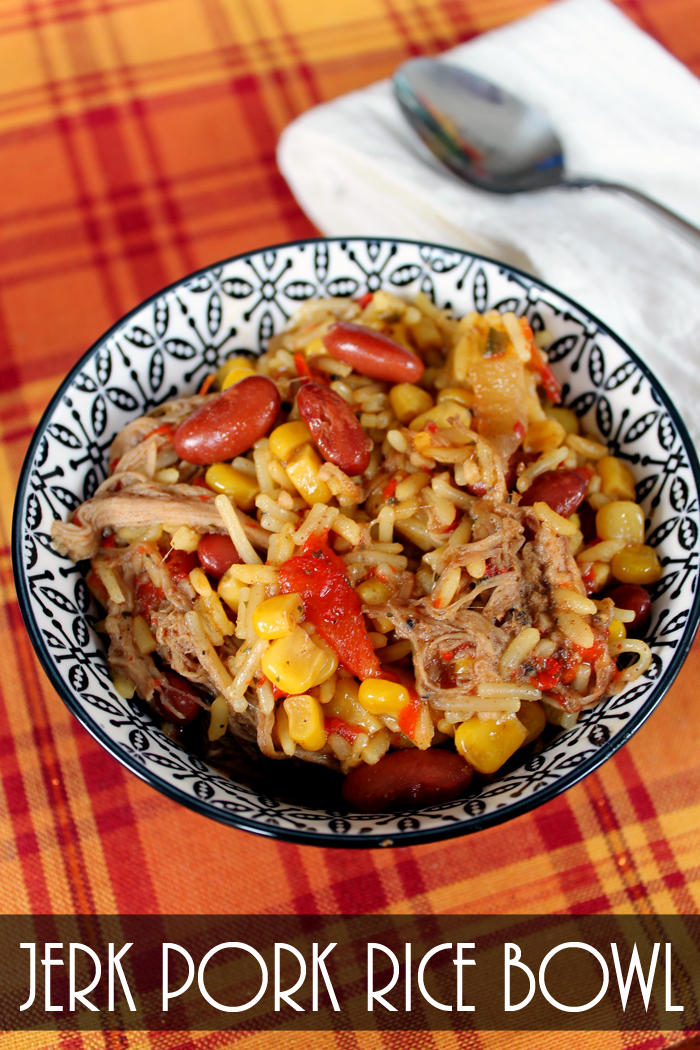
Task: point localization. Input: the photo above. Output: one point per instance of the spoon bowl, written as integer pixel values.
(481, 132)
(494, 140)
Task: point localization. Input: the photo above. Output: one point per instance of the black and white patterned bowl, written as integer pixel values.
(166, 346)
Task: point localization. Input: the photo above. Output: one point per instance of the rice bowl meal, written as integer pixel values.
(383, 546)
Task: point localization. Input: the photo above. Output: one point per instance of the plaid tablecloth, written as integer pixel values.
(137, 143)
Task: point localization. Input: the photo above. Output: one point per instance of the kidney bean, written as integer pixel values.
(180, 564)
(588, 526)
(176, 700)
(634, 597)
(516, 458)
(334, 427)
(562, 490)
(230, 423)
(217, 554)
(407, 779)
(372, 354)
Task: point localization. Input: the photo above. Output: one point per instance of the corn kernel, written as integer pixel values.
(228, 367)
(441, 415)
(621, 520)
(330, 665)
(458, 394)
(565, 416)
(229, 590)
(123, 685)
(315, 348)
(618, 631)
(185, 539)
(305, 722)
(143, 636)
(236, 374)
(637, 565)
(381, 697)
(373, 591)
(531, 714)
(543, 436)
(408, 401)
(140, 533)
(239, 485)
(463, 667)
(277, 617)
(218, 718)
(345, 705)
(303, 470)
(487, 745)
(616, 478)
(287, 438)
(295, 664)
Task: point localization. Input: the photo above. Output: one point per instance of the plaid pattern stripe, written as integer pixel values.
(137, 143)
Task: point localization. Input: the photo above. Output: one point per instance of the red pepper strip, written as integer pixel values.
(166, 428)
(278, 693)
(597, 649)
(410, 712)
(588, 579)
(519, 430)
(550, 676)
(365, 300)
(332, 606)
(109, 541)
(97, 587)
(302, 367)
(408, 717)
(552, 386)
(347, 730)
(113, 465)
(390, 489)
(206, 385)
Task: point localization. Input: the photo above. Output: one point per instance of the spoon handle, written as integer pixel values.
(671, 218)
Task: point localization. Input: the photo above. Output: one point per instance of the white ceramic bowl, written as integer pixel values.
(166, 347)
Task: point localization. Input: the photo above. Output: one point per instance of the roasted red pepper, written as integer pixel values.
(408, 717)
(148, 596)
(552, 386)
(347, 730)
(303, 370)
(331, 605)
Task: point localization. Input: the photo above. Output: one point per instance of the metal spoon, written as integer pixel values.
(494, 140)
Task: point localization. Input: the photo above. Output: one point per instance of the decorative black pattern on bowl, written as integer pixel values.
(167, 345)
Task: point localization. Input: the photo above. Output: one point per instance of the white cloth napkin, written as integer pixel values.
(625, 110)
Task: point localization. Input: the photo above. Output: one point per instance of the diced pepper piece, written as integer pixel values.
(331, 605)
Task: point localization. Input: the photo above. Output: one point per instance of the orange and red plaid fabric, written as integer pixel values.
(137, 143)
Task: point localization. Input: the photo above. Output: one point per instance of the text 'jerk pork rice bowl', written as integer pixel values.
(382, 546)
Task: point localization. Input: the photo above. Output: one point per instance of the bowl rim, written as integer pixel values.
(315, 838)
